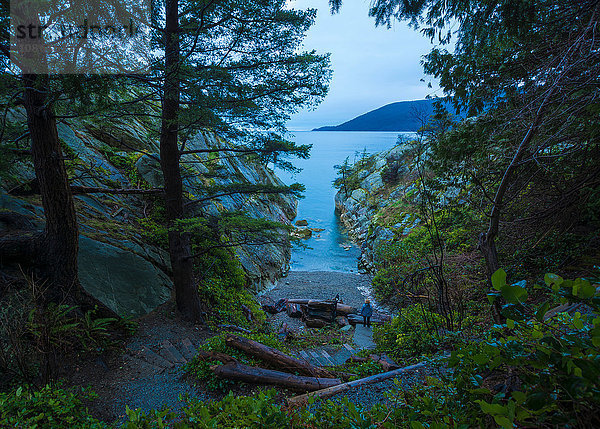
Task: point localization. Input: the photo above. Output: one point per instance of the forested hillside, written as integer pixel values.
(400, 116)
(485, 230)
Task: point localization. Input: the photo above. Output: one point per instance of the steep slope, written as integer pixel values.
(118, 263)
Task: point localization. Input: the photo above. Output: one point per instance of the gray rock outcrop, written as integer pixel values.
(116, 262)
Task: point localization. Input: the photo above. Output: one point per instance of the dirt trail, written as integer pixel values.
(147, 375)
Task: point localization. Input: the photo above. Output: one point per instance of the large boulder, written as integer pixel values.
(372, 182)
(124, 281)
(359, 195)
(127, 278)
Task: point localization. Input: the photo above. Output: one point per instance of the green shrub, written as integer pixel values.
(414, 332)
(361, 369)
(31, 337)
(261, 411)
(49, 407)
(223, 287)
(154, 233)
(125, 162)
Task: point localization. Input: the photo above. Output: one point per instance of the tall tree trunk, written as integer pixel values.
(60, 241)
(180, 249)
(55, 251)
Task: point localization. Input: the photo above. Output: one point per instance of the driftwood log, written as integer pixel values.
(293, 310)
(250, 374)
(324, 310)
(275, 308)
(343, 309)
(340, 308)
(334, 390)
(276, 357)
(355, 319)
(314, 322)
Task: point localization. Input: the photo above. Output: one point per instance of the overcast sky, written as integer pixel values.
(372, 66)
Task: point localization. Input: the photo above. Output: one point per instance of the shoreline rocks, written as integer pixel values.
(360, 208)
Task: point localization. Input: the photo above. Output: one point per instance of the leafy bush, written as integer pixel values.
(390, 174)
(413, 332)
(223, 286)
(361, 369)
(49, 407)
(154, 233)
(126, 162)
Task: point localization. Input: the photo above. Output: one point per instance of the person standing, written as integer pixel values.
(366, 311)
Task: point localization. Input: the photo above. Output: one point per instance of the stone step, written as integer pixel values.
(349, 348)
(187, 349)
(155, 359)
(140, 365)
(173, 352)
(167, 355)
(326, 358)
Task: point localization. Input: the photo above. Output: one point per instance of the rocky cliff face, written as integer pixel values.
(116, 263)
(375, 203)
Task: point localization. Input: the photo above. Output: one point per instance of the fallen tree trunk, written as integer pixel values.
(207, 355)
(298, 301)
(314, 322)
(275, 308)
(252, 374)
(327, 316)
(334, 390)
(345, 309)
(340, 308)
(275, 357)
(376, 319)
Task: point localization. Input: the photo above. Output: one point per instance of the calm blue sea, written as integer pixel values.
(326, 250)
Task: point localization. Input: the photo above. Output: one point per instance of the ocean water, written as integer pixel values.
(329, 250)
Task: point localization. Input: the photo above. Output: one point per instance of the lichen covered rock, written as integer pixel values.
(117, 263)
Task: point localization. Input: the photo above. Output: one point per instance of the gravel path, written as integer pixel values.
(120, 380)
(369, 395)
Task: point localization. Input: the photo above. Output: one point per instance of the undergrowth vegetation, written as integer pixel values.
(200, 369)
(538, 369)
(34, 340)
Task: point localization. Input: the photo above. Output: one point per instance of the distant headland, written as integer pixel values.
(400, 116)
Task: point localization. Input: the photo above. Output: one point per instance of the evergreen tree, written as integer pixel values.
(231, 66)
(54, 251)
(530, 73)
